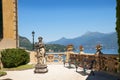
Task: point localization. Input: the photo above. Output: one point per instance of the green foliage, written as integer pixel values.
(25, 43)
(21, 67)
(14, 57)
(55, 48)
(2, 73)
(118, 24)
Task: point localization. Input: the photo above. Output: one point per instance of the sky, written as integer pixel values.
(54, 19)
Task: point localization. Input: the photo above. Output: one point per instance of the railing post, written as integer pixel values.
(98, 55)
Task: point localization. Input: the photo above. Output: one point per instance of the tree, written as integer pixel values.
(55, 48)
(118, 24)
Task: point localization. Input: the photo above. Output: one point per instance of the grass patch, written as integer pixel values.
(22, 67)
(2, 73)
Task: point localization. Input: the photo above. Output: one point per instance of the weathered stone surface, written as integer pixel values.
(10, 32)
(40, 68)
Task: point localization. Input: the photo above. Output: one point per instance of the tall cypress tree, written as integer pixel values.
(118, 24)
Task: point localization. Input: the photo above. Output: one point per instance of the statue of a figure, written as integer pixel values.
(41, 66)
(98, 49)
(41, 52)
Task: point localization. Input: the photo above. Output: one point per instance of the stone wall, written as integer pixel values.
(10, 25)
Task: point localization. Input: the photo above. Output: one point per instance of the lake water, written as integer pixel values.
(91, 51)
(104, 51)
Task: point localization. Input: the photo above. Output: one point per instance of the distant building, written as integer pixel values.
(8, 24)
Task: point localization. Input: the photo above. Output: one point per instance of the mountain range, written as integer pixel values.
(90, 39)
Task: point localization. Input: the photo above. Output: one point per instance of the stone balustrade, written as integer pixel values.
(54, 57)
(103, 62)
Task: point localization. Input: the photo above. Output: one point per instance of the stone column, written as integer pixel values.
(9, 24)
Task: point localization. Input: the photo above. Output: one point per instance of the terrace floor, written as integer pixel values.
(57, 72)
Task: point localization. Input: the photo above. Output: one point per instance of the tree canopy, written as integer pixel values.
(118, 24)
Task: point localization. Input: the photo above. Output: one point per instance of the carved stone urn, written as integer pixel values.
(98, 49)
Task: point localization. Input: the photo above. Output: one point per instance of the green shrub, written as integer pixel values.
(14, 57)
(2, 73)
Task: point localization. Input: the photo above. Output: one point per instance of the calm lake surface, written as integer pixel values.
(88, 51)
(104, 51)
(93, 51)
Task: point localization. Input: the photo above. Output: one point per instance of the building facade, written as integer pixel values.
(8, 24)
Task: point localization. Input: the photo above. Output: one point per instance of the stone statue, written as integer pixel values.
(41, 66)
(98, 49)
(41, 52)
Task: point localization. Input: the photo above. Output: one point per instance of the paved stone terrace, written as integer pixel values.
(55, 72)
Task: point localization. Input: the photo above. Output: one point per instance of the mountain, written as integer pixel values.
(90, 40)
(25, 43)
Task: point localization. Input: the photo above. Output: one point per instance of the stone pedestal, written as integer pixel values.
(40, 68)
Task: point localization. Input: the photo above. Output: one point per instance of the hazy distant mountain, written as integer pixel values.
(90, 40)
(25, 43)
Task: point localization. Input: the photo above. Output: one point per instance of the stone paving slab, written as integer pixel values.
(55, 72)
(99, 75)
